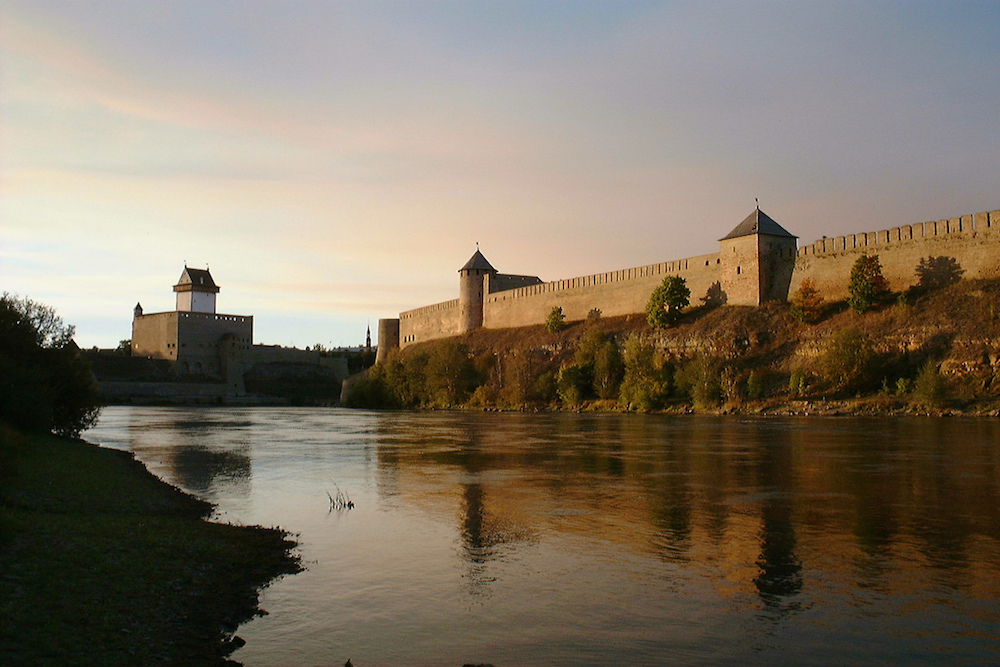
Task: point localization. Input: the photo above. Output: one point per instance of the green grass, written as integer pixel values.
(102, 563)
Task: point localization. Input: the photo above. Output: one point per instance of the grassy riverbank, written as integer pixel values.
(103, 563)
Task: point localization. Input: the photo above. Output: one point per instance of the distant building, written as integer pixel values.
(195, 337)
(219, 347)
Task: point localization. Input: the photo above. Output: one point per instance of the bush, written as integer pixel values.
(574, 383)
(667, 302)
(868, 287)
(700, 379)
(646, 384)
(929, 388)
(46, 384)
(755, 385)
(849, 360)
(807, 304)
(797, 383)
(556, 321)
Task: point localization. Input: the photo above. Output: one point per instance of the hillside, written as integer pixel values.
(934, 350)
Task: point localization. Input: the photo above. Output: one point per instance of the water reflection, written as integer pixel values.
(729, 494)
(613, 538)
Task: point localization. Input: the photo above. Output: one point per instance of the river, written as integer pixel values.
(584, 539)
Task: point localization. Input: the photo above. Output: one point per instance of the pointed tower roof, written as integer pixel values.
(199, 280)
(477, 261)
(758, 222)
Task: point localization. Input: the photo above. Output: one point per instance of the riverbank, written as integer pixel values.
(103, 563)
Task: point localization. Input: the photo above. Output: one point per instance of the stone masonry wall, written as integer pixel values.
(972, 240)
(614, 293)
(434, 321)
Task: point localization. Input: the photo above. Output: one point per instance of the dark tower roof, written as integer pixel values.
(199, 280)
(477, 262)
(758, 222)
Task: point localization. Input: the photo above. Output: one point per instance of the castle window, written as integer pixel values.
(739, 270)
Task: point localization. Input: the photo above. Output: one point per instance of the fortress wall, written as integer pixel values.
(972, 240)
(276, 354)
(435, 321)
(615, 293)
(152, 335)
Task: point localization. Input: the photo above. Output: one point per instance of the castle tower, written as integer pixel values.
(756, 259)
(471, 290)
(196, 291)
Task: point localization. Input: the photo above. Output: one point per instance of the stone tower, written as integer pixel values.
(756, 259)
(471, 288)
(196, 291)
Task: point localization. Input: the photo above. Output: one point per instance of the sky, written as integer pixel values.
(334, 163)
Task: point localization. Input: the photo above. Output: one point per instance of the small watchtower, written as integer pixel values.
(196, 291)
(757, 259)
(471, 290)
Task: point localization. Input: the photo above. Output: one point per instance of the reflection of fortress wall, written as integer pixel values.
(973, 240)
(758, 261)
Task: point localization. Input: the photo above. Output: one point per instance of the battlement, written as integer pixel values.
(758, 261)
(987, 220)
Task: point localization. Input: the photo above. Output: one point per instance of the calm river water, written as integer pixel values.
(585, 539)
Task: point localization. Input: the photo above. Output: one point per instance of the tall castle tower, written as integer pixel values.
(196, 291)
(757, 259)
(471, 288)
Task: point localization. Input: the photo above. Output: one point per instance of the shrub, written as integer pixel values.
(929, 388)
(646, 384)
(755, 385)
(807, 304)
(573, 383)
(797, 383)
(848, 361)
(700, 379)
(556, 321)
(868, 287)
(667, 301)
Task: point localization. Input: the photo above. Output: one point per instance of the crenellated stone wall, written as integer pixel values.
(972, 240)
(747, 270)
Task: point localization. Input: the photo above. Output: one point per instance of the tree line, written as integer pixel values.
(631, 373)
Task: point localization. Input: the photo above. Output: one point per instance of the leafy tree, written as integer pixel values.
(573, 383)
(667, 301)
(700, 378)
(929, 389)
(556, 321)
(807, 304)
(608, 370)
(451, 374)
(849, 359)
(646, 384)
(45, 383)
(868, 287)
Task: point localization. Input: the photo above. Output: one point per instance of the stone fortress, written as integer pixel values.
(757, 261)
(208, 346)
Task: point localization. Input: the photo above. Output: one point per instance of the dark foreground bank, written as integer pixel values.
(103, 563)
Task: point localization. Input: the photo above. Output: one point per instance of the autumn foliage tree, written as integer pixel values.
(868, 287)
(807, 303)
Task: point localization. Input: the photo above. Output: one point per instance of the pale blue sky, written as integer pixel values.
(336, 162)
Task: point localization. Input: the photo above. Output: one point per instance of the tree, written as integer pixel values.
(868, 287)
(556, 321)
(667, 301)
(848, 360)
(45, 383)
(646, 384)
(807, 304)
